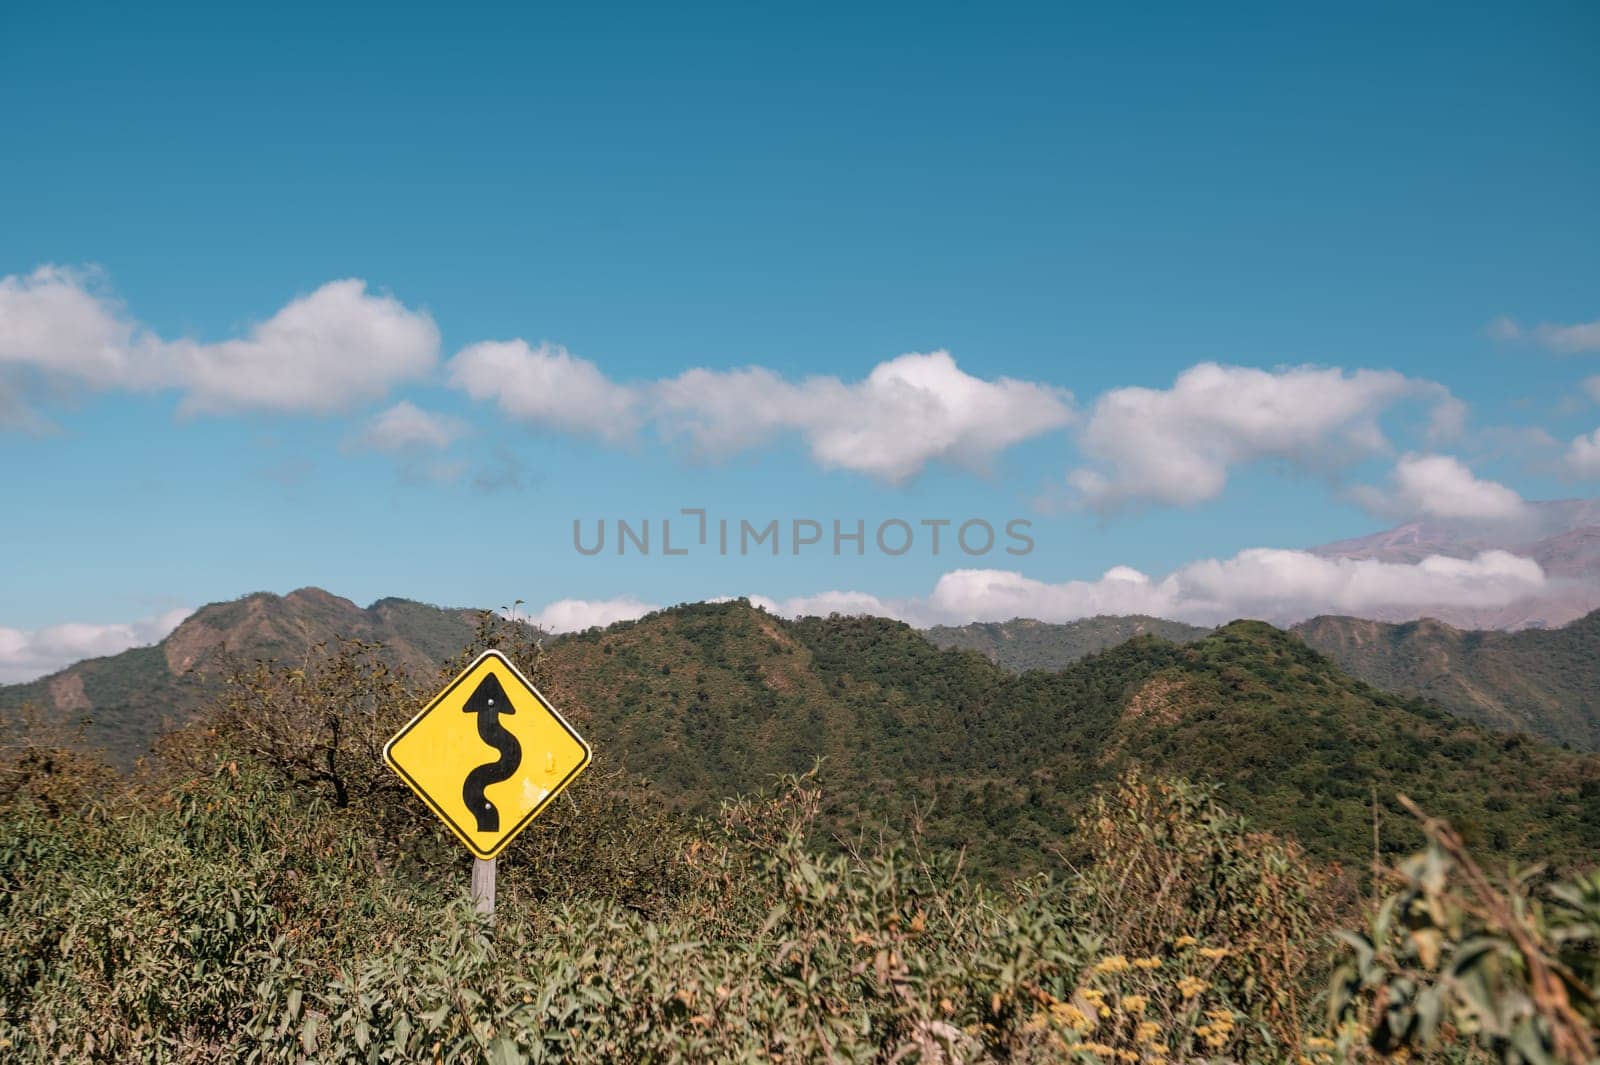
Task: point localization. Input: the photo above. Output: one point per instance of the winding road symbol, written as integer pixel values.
(489, 701)
(488, 754)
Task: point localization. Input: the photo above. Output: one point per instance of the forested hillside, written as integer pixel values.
(1023, 644)
(265, 889)
(1545, 682)
(710, 699)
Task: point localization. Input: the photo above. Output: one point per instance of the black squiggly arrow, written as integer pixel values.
(489, 702)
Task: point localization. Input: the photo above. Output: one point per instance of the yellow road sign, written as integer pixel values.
(488, 754)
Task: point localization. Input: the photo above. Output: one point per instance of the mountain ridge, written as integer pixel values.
(712, 699)
(123, 700)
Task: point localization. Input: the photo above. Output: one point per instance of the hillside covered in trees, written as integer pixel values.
(263, 888)
(714, 699)
(1541, 681)
(710, 700)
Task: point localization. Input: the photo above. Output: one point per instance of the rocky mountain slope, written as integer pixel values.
(127, 698)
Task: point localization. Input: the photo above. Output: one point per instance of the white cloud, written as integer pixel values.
(575, 615)
(1583, 456)
(1275, 585)
(825, 603)
(52, 321)
(28, 654)
(1441, 486)
(547, 387)
(1570, 339)
(1178, 445)
(407, 428)
(1566, 339)
(910, 410)
(322, 352)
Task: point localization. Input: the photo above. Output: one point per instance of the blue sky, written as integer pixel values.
(1076, 200)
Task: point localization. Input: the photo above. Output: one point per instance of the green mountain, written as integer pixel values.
(1541, 681)
(709, 700)
(128, 698)
(1545, 682)
(1023, 644)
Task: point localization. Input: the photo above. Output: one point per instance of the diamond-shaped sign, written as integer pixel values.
(488, 754)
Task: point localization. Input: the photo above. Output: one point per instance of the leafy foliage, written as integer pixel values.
(240, 916)
(986, 876)
(1450, 958)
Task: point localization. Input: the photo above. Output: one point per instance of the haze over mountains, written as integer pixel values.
(1562, 536)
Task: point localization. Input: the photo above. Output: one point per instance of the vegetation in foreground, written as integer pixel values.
(261, 894)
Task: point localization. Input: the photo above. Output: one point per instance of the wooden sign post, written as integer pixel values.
(483, 886)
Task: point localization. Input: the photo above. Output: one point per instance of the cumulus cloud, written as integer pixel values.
(406, 428)
(1178, 445)
(1441, 486)
(27, 654)
(547, 387)
(575, 615)
(908, 412)
(322, 352)
(1570, 339)
(1275, 585)
(55, 320)
(1583, 456)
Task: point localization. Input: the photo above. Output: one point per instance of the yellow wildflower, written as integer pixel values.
(1190, 986)
(1147, 1032)
(1147, 964)
(1184, 941)
(1071, 1016)
(1133, 1003)
(1114, 963)
(1213, 952)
